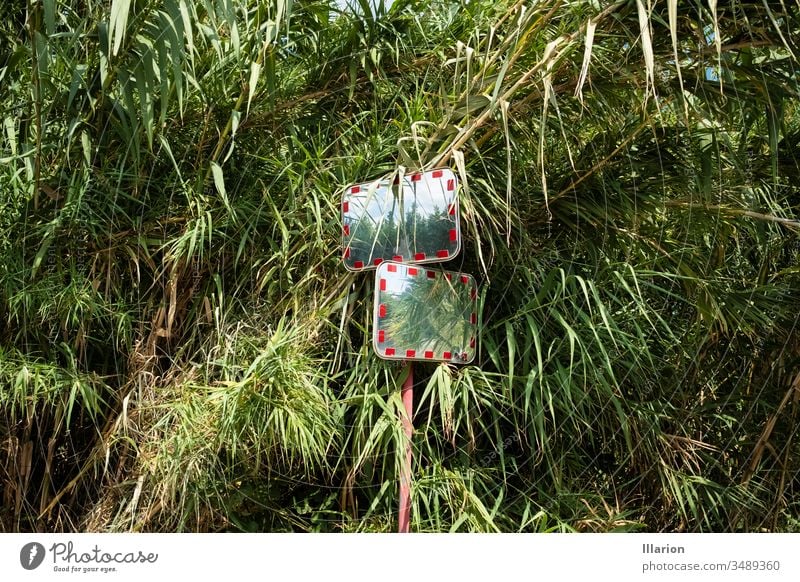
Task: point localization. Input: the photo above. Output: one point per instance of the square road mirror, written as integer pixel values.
(412, 221)
(424, 314)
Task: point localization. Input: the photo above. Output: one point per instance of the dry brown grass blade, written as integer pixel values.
(673, 28)
(779, 497)
(587, 57)
(725, 210)
(647, 44)
(793, 393)
(553, 55)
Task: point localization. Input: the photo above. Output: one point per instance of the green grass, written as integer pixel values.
(181, 347)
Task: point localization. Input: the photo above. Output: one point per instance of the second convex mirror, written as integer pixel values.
(413, 220)
(422, 313)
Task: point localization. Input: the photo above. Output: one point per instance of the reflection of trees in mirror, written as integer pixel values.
(385, 237)
(431, 314)
(430, 233)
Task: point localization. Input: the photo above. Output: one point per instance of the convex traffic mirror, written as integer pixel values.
(414, 220)
(424, 313)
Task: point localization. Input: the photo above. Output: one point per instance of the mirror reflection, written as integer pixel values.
(416, 221)
(424, 314)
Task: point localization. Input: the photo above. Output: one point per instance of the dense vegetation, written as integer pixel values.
(182, 349)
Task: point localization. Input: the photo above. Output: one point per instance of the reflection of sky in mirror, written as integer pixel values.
(396, 286)
(372, 206)
(383, 202)
(397, 283)
(430, 196)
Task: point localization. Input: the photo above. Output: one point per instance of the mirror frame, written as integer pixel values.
(383, 305)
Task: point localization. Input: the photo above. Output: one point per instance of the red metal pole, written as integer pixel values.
(407, 395)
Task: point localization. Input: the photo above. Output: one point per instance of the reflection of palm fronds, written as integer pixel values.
(432, 315)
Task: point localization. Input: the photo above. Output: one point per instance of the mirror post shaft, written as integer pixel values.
(407, 395)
